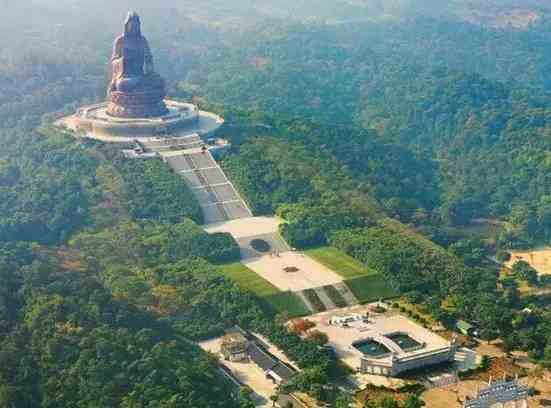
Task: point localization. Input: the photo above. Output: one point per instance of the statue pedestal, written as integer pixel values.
(146, 104)
(95, 122)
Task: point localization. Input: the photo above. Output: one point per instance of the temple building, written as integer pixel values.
(234, 346)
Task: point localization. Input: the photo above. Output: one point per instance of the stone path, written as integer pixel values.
(326, 300)
(225, 211)
(218, 198)
(346, 293)
(303, 297)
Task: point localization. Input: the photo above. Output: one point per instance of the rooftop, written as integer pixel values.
(234, 337)
(398, 334)
(269, 363)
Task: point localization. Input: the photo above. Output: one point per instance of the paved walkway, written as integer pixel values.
(218, 198)
(325, 299)
(346, 294)
(225, 211)
(309, 274)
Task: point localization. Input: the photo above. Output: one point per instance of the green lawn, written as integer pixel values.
(288, 302)
(248, 280)
(277, 300)
(338, 261)
(371, 288)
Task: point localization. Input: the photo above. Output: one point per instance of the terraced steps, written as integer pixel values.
(217, 196)
(329, 300)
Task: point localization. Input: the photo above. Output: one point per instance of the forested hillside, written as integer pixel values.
(432, 143)
(372, 137)
(280, 171)
(107, 283)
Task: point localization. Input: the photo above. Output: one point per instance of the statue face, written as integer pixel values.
(132, 25)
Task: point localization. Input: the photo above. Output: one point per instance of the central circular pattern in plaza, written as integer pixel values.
(261, 245)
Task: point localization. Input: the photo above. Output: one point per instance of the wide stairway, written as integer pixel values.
(225, 211)
(216, 195)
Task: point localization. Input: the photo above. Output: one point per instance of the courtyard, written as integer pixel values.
(408, 340)
(292, 271)
(285, 269)
(247, 373)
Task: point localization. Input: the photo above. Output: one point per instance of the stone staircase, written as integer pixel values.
(346, 294)
(325, 299)
(341, 287)
(465, 359)
(216, 194)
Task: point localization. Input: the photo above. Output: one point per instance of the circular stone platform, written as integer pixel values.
(182, 118)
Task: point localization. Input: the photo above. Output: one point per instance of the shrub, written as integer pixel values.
(299, 326)
(318, 337)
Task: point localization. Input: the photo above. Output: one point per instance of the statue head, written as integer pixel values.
(132, 25)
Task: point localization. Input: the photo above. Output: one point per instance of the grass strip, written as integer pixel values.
(338, 261)
(371, 288)
(287, 302)
(314, 300)
(335, 296)
(248, 279)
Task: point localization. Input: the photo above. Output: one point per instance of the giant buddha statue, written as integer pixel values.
(136, 90)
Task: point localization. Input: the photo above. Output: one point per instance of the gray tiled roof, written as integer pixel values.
(268, 363)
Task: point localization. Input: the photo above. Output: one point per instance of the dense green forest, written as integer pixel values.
(433, 144)
(374, 136)
(328, 207)
(122, 293)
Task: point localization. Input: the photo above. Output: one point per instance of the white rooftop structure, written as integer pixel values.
(382, 344)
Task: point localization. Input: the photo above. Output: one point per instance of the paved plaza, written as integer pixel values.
(272, 265)
(276, 243)
(246, 227)
(309, 274)
(91, 122)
